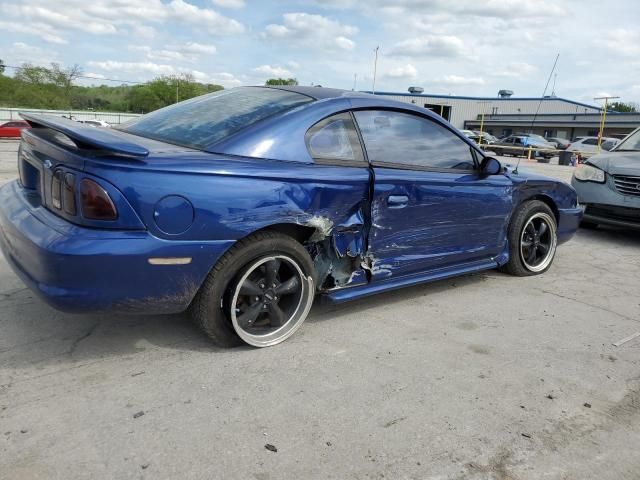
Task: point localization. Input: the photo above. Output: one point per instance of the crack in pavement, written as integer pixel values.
(559, 295)
(77, 341)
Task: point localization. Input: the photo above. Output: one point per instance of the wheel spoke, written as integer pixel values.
(250, 315)
(271, 271)
(543, 229)
(290, 286)
(543, 248)
(530, 228)
(249, 287)
(276, 315)
(532, 256)
(527, 243)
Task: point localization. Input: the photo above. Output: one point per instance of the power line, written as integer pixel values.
(83, 76)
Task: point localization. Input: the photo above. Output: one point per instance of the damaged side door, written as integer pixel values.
(431, 207)
(338, 247)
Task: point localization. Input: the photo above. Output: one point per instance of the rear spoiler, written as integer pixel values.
(84, 135)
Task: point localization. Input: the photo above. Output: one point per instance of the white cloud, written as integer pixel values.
(429, 46)
(344, 43)
(273, 71)
(457, 80)
(146, 70)
(406, 71)
(21, 52)
(189, 52)
(515, 70)
(313, 30)
(94, 75)
(487, 8)
(109, 17)
(40, 30)
(624, 42)
(203, 17)
(293, 64)
(229, 3)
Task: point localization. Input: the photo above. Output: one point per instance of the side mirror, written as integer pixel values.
(490, 166)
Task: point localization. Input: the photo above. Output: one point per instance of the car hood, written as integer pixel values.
(618, 163)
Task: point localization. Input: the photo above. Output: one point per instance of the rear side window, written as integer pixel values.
(335, 139)
(404, 139)
(203, 121)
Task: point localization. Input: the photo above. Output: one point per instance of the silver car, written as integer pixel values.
(608, 185)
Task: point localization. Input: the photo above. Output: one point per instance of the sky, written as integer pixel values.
(458, 47)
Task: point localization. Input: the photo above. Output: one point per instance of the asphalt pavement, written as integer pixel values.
(481, 377)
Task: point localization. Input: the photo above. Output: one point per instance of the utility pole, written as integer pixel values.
(375, 69)
(177, 89)
(603, 117)
(355, 81)
(482, 120)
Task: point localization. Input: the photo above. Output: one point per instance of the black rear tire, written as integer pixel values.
(211, 309)
(529, 212)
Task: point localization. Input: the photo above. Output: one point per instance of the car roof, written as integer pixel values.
(320, 93)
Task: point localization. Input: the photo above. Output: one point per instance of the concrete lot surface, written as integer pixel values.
(481, 377)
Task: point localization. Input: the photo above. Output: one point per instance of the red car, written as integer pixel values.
(13, 128)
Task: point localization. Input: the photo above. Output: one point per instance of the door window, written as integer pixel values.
(404, 139)
(335, 138)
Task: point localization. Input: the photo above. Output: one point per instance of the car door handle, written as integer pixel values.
(397, 201)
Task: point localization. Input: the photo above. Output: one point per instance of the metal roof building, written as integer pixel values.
(556, 117)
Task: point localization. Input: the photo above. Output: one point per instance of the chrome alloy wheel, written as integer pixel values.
(271, 300)
(538, 242)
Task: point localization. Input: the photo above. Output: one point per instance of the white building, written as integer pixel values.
(548, 116)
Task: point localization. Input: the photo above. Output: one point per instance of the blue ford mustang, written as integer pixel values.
(242, 205)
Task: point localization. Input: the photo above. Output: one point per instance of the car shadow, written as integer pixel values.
(620, 236)
(36, 336)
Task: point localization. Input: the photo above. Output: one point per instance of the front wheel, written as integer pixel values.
(533, 238)
(260, 292)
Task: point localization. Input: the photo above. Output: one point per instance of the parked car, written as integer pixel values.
(96, 123)
(487, 138)
(559, 143)
(587, 146)
(12, 128)
(468, 133)
(608, 185)
(243, 204)
(518, 145)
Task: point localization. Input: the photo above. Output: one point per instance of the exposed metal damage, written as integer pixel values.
(339, 251)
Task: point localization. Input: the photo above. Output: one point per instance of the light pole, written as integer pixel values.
(603, 118)
(375, 69)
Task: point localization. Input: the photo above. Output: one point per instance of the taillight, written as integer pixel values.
(56, 184)
(69, 194)
(96, 203)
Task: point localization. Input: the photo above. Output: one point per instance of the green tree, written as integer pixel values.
(53, 87)
(622, 107)
(281, 81)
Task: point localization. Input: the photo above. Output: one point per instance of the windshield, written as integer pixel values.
(631, 143)
(203, 121)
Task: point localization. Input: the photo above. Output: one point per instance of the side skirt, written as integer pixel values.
(355, 292)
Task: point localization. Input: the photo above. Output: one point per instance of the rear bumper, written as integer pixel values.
(568, 223)
(79, 269)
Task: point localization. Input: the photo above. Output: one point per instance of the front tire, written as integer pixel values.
(533, 238)
(260, 292)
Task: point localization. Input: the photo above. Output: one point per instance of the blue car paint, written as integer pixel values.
(453, 224)
(450, 219)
